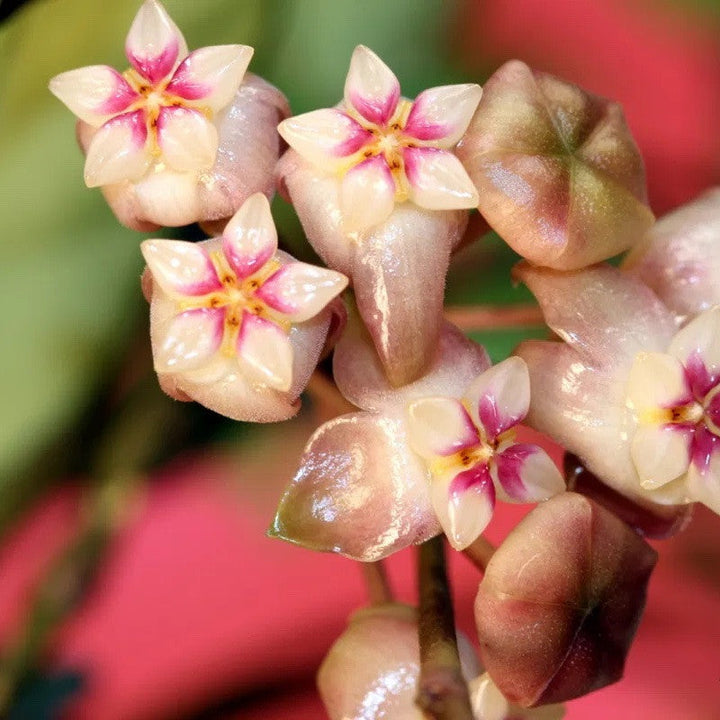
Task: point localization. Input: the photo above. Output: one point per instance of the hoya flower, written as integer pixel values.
(680, 257)
(237, 324)
(156, 134)
(490, 704)
(633, 397)
(386, 149)
(382, 198)
(417, 459)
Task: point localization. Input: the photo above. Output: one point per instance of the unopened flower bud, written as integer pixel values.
(560, 602)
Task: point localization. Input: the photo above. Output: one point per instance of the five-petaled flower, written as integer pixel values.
(416, 460)
(675, 399)
(159, 113)
(388, 149)
(231, 315)
(470, 449)
(636, 399)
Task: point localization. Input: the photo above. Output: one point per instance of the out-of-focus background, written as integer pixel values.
(136, 582)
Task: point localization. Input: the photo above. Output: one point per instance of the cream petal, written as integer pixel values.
(211, 75)
(367, 195)
(500, 397)
(680, 257)
(699, 341)
(371, 88)
(94, 94)
(607, 316)
(187, 140)
(464, 504)
(703, 477)
(118, 151)
(359, 491)
(266, 352)
(180, 268)
(456, 361)
(154, 44)
(656, 381)
(170, 198)
(438, 180)
(439, 426)
(441, 115)
(301, 291)
(250, 238)
(324, 137)
(661, 453)
(525, 473)
(488, 703)
(191, 340)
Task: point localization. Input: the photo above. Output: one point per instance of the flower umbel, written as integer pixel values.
(388, 149)
(230, 304)
(158, 114)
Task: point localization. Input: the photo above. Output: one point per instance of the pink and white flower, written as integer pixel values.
(236, 324)
(386, 149)
(177, 138)
(634, 398)
(426, 457)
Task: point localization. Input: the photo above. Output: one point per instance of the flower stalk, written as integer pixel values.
(442, 691)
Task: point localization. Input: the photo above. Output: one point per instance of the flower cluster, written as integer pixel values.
(383, 187)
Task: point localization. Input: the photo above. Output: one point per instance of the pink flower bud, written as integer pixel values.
(558, 174)
(560, 602)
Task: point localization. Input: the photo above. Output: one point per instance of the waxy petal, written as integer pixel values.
(250, 238)
(154, 44)
(439, 426)
(500, 397)
(191, 340)
(442, 114)
(265, 352)
(661, 453)
(700, 340)
(703, 478)
(605, 315)
(211, 74)
(464, 504)
(360, 377)
(367, 195)
(525, 473)
(371, 88)
(558, 173)
(657, 381)
(94, 94)
(324, 137)
(437, 179)
(118, 151)
(680, 257)
(180, 268)
(359, 491)
(187, 140)
(300, 291)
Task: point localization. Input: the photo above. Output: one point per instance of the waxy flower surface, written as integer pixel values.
(158, 114)
(387, 149)
(419, 458)
(236, 323)
(634, 398)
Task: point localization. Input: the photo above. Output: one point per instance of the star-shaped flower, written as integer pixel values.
(236, 323)
(417, 459)
(634, 398)
(158, 114)
(387, 149)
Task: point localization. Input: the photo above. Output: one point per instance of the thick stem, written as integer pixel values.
(377, 583)
(442, 690)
